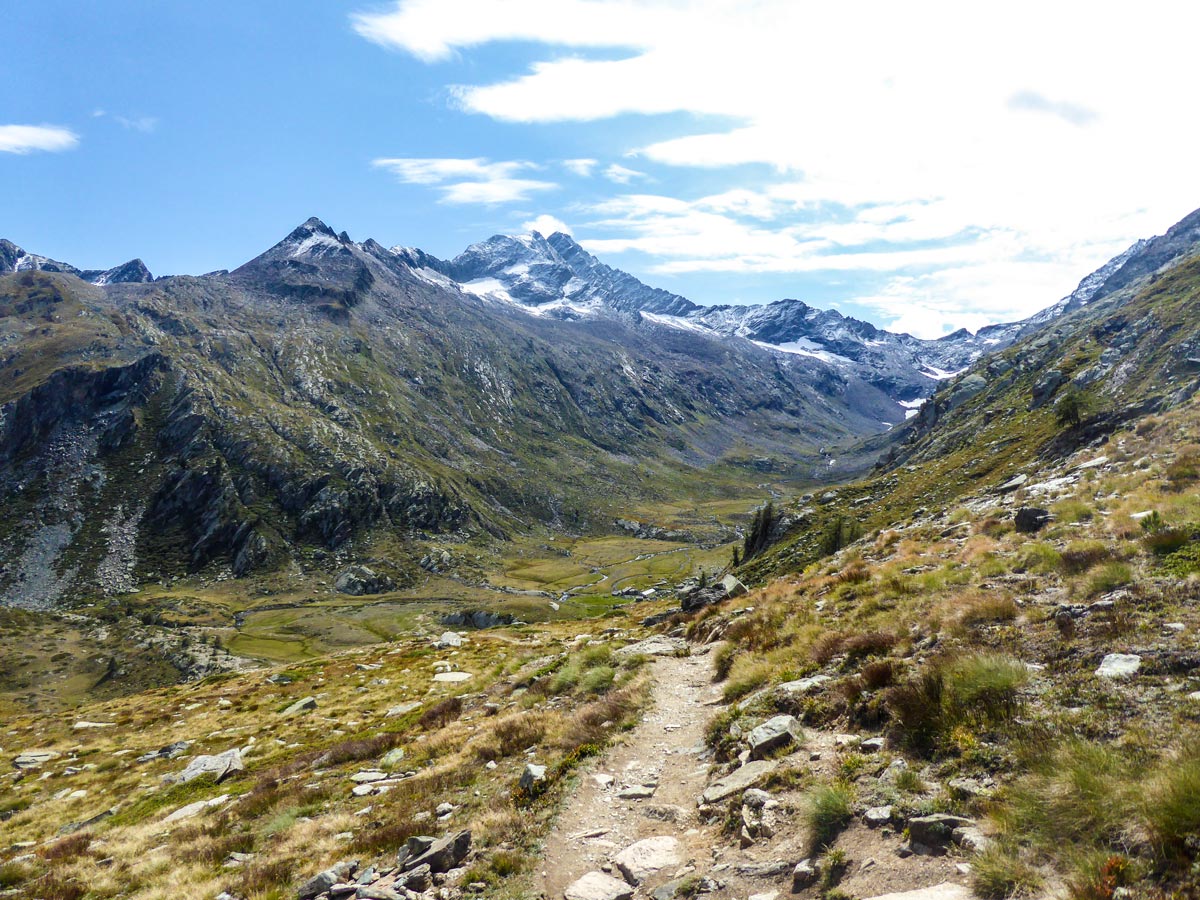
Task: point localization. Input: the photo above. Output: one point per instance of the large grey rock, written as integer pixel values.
(532, 776)
(302, 705)
(220, 766)
(403, 709)
(877, 816)
(442, 855)
(598, 886)
(802, 686)
(947, 890)
(359, 580)
(171, 751)
(774, 734)
(803, 875)
(936, 830)
(323, 881)
(1119, 665)
(737, 781)
(733, 586)
(33, 759)
(639, 861)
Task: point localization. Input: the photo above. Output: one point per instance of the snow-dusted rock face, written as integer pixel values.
(14, 259)
(554, 276)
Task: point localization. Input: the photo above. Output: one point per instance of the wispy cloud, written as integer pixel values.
(619, 174)
(476, 180)
(144, 124)
(33, 138)
(1032, 101)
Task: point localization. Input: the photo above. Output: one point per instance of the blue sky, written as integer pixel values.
(925, 166)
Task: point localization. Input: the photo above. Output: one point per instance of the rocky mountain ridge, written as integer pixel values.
(327, 396)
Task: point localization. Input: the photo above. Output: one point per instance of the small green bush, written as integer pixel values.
(828, 809)
(1108, 578)
(1172, 808)
(999, 872)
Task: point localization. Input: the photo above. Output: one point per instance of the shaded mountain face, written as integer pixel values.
(330, 396)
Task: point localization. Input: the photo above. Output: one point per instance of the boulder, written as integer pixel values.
(1031, 519)
(598, 886)
(33, 759)
(737, 781)
(359, 580)
(452, 677)
(532, 776)
(168, 752)
(477, 619)
(639, 861)
(449, 639)
(1119, 665)
(774, 734)
(442, 855)
(803, 875)
(877, 816)
(403, 709)
(323, 881)
(733, 586)
(302, 705)
(936, 830)
(802, 686)
(220, 766)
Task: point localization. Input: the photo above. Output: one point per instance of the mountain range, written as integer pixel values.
(332, 400)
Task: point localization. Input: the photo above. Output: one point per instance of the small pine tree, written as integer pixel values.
(737, 558)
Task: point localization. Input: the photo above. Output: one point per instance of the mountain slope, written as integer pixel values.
(328, 396)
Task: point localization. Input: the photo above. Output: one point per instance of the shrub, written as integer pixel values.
(985, 608)
(1080, 556)
(442, 714)
(1109, 577)
(978, 690)
(1080, 793)
(1164, 540)
(999, 872)
(828, 809)
(513, 735)
(878, 673)
(1172, 808)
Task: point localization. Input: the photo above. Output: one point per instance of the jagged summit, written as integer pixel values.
(16, 259)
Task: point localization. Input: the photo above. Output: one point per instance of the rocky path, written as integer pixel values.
(633, 827)
(646, 787)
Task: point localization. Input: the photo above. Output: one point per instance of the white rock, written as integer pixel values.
(81, 726)
(598, 886)
(452, 677)
(639, 861)
(450, 639)
(302, 705)
(1119, 665)
(945, 891)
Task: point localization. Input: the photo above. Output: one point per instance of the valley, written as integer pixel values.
(328, 577)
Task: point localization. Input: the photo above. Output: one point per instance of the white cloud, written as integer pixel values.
(546, 225)
(619, 174)
(475, 180)
(144, 124)
(901, 136)
(581, 167)
(31, 138)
